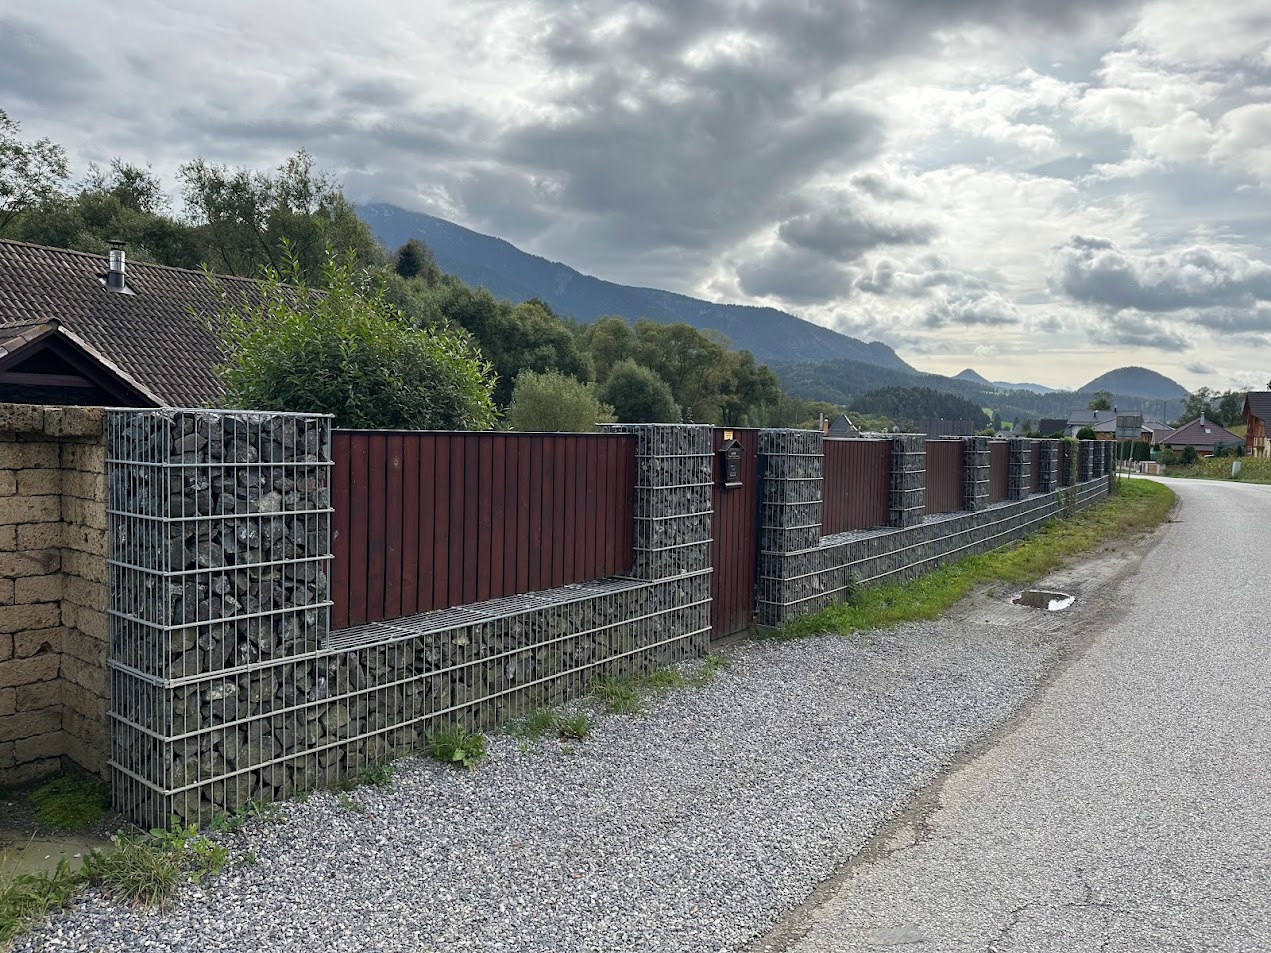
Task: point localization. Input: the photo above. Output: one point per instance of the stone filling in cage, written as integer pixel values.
(218, 550)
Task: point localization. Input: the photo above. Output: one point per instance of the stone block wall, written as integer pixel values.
(1020, 472)
(908, 479)
(53, 684)
(976, 463)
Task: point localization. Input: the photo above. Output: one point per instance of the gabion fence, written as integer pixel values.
(218, 544)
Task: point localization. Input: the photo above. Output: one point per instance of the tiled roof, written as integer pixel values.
(1202, 434)
(1259, 404)
(150, 336)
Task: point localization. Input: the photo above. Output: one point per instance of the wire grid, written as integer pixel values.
(218, 544)
(908, 480)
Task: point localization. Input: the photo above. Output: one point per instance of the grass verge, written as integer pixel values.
(1137, 506)
(631, 694)
(1252, 470)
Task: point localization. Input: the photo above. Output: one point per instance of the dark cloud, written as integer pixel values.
(987, 309)
(845, 233)
(794, 276)
(1096, 271)
(1198, 367)
(38, 69)
(1133, 329)
(919, 281)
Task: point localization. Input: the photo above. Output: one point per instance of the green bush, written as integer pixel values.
(1188, 457)
(638, 396)
(555, 403)
(1166, 457)
(343, 349)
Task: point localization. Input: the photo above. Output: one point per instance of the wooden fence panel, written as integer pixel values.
(946, 486)
(856, 489)
(734, 537)
(433, 520)
(999, 470)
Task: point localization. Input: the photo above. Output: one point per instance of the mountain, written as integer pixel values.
(970, 375)
(1137, 382)
(838, 382)
(508, 272)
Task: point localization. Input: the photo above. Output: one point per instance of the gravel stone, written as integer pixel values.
(690, 829)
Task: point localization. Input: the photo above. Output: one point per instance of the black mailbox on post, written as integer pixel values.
(730, 462)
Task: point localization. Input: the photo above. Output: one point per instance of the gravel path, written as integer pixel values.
(690, 829)
(1131, 809)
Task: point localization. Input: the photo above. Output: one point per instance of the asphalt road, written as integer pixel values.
(1129, 807)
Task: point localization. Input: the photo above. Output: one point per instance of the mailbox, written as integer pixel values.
(730, 462)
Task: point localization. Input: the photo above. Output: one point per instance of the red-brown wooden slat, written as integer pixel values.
(537, 579)
(471, 505)
(524, 525)
(450, 562)
(560, 533)
(999, 470)
(427, 520)
(376, 530)
(499, 537)
(393, 508)
(485, 549)
(627, 551)
(340, 455)
(607, 554)
(359, 503)
(591, 499)
(569, 484)
(410, 528)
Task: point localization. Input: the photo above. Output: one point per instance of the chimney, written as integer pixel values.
(115, 273)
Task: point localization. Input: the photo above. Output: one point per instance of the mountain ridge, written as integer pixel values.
(508, 272)
(1138, 382)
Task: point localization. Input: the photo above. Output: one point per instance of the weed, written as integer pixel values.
(230, 822)
(1138, 506)
(27, 899)
(457, 746)
(566, 749)
(192, 851)
(248, 859)
(539, 723)
(137, 871)
(379, 774)
(620, 696)
(349, 804)
(71, 802)
(576, 727)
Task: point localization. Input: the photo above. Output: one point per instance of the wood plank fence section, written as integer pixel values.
(433, 520)
(735, 538)
(999, 470)
(1035, 467)
(946, 484)
(856, 490)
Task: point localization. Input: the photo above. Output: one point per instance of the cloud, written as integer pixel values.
(794, 275)
(1198, 367)
(988, 309)
(1134, 329)
(1096, 271)
(38, 68)
(844, 232)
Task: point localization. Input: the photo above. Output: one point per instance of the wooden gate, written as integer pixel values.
(735, 536)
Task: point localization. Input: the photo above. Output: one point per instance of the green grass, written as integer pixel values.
(630, 694)
(71, 802)
(27, 899)
(455, 745)
(1138, 506)
(1252, 469)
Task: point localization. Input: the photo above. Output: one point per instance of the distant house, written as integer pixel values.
(1257, 412)
(1205, 435)
(936, 427)
(841, 426)
(83, 329)
(1087, 418)
(1150, 431)
(1049, 426)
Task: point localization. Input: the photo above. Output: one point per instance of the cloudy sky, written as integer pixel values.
(1041, 190)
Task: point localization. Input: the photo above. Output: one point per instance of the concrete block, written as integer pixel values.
(32, 770)
(40, 642)
(15, 510)
(25, 455)
(37, 562)
(37, 536)
(38, 696)
(82, 592)
(40, 747)
(8, 482)
(8, 701)
(91, 675)
(28, 724)
(6, 647)
(88, 457)
(39, 482)
(22, 418)
(86, 566)
(84, 513)
(38, 668)
(43, 615)
(28, 589)
(84, 486)
(83, 539)
(6, 592)
(74, 421)
(92, 622)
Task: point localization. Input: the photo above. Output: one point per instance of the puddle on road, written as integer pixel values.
(22, 853)
(1041, 599)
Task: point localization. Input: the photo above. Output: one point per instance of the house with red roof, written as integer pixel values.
(1204, 435)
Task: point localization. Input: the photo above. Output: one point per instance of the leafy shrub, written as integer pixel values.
(457, 746)
(72, 802)
(555, 403)
(638, 396)
(1166, 457)
(1188, 456)
(1087, 433)
(343, 349)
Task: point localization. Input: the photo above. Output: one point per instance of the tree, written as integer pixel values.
(554, 403)
(1102, 400)
(245, 216)
(341, 349)
(609, 340)
(31, 173)
(415, 260)
(1195, 404)
(638, 396)
(1231, 408)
